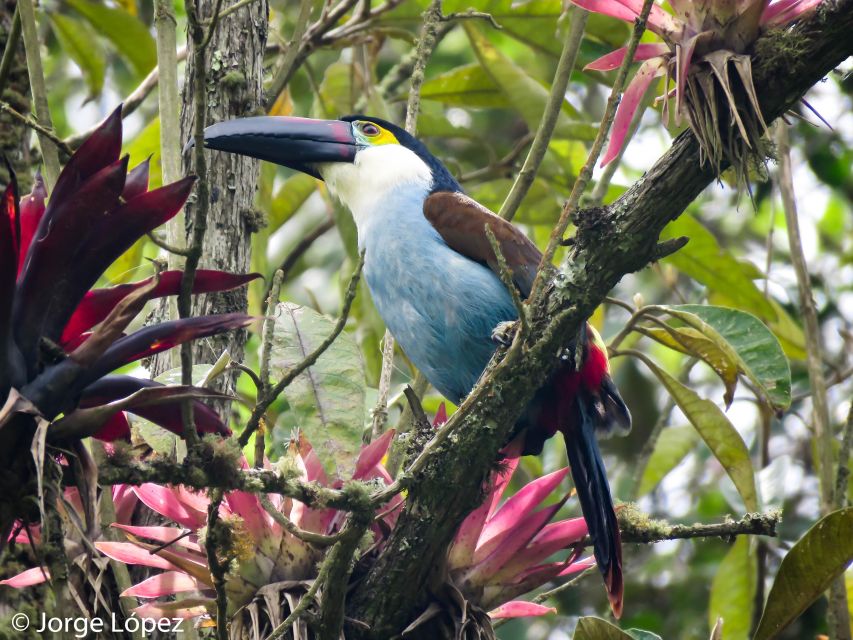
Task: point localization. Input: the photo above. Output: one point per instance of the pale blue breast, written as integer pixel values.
(440, 306)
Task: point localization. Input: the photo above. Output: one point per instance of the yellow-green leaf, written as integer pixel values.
(717, 431)
(758, 353)
(289, 198)
(126, 32)
(591, 628)
(733, 590)
(82, 45)
(693, 342)
(465, 86)
(672, 446)
(817, 558)
(525, 94)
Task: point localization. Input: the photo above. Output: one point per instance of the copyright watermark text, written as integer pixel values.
(81, 627)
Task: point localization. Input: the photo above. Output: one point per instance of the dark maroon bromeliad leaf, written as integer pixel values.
(168, 416)
(49, 259)
(97, 303)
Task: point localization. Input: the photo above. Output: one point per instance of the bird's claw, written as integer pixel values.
(504, 332)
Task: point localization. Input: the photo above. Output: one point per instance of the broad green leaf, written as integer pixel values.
(292, 195)
(671, 448)
(82, 45)
(817, 558)
(591, 628)
(127, 33)
(534, 23)
(730, 281)
(328, 399)
(703, 259)
(525, 94)
(466, 86)
(693, 342)
(760, 356)
(541, 206)
(733, 590)
(718, 433)
(146, 144)
(642, 634)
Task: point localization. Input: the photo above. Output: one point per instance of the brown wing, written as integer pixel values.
(462, 221)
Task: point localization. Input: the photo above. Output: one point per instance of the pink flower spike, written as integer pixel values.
(648, 71)
(660, 22)
(785, 11)
(167, 502)
(27, 578)
(129, 553)
(371, 455)
(163, 584)
(522, 503)
(520, 609)
(440, 416)
(614, 59)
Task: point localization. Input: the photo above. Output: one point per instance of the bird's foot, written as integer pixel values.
(504, 332)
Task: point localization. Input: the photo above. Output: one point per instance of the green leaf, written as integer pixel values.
(79, 41)
(525, 94)
(591, 628)
(126, 32)
(730, 281)
(693, 342)
(671, 448)
(541, 206)
(642, 634)
(289, 198)
(466, 86)
(328, 399)
(733, 591)
(759, 355)
(342, 86)
(719, 434)
(817, 558)
(124, 269)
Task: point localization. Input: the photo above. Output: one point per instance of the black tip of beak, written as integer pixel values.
(297, 143)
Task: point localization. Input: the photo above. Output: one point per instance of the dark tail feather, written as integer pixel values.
(593, 491)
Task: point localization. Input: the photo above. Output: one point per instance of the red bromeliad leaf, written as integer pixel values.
(27, 578)
(117, 427)
(129, 553)
(613, 60)
(111, 388)
(97, 151)
(187, 608)
(163, 584)
(159, 337)
(137, 181)
(648, 71)
(520, 609)
(8, 271)
(97, 303)
(52, 281)
(371, 456)
(552, 538)
(167, 503)
(32, 210)
(172, 535)
(522, 503)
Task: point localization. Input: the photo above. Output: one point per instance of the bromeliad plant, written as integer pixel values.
(499, 553)
(706, 53)
(59, 341)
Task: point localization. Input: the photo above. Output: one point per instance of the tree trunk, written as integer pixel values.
(14, 137)
(234, 63)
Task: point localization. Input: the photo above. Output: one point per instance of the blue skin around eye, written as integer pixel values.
(440, 306)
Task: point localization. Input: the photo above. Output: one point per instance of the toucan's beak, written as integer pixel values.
(297, 143)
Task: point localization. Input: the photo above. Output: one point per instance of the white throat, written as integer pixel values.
(365, 183)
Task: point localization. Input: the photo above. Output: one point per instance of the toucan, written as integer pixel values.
(435, 281)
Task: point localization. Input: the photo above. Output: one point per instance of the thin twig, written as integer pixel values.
(380, 410)
(504, 165)
(268, 398)
(157, 240)
(426, 44)
(227, 11)
(35, 126)
(545, 130)
(506, 278)
(267, 334)
(312, 538)
(585, 174)
(843, 476)
(471, 14)
(12, 39)
(407, 420)
(218, 569)
(39, 91)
